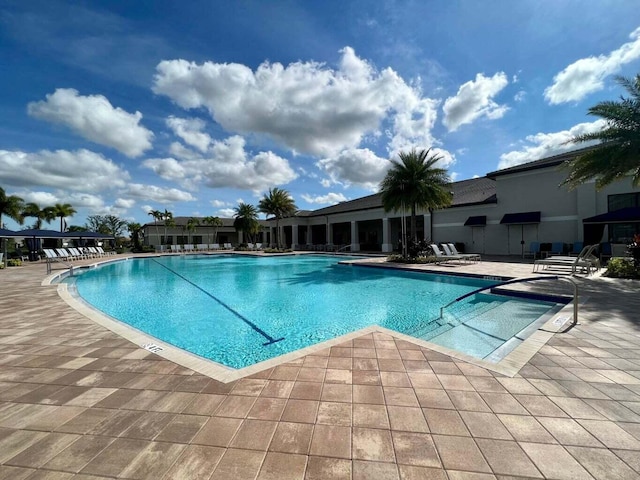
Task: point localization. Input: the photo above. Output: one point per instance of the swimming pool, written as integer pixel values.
(238, 310)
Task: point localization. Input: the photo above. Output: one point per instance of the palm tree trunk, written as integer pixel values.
(277, 233)
(414, 233)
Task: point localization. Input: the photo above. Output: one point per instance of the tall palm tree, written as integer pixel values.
(11, 206)
(618, 153)
(157, 215)
(214, 222)
(246, 220)
(279, 204)
(63, 210)
(192, 224)
(167, 216)
(46, 214)
(413, 181)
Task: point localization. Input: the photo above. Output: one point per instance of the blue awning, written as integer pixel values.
(4, 233)
(624, 215)
(521, 218)
(479, 221)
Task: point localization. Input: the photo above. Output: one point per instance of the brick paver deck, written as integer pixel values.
(77, 401)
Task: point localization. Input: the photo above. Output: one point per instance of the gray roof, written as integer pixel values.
(182, 221)
(542, 163)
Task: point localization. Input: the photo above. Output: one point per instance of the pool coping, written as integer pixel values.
(509, 365)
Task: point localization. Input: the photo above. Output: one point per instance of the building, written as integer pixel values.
(499, 214)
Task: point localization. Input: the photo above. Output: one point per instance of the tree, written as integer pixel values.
(279, 204)
(157, 215)
(46, 214)
(618, 153)
(63, 210)
(135, 230)
(215, 222)
(246, 220)
(114, 225)
(413, 181)
(11, 206)
(167, 217)
(192, 224)
(97, 223)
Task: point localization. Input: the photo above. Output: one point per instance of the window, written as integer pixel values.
(197, 239)
(623, 232)
(182, 239)
(167, 241)
(623, 200)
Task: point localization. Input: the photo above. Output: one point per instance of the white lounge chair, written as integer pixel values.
(175, 249)
(258, 246)
(441, 257)
(62, 253)
(188, 248)
(214, 246)
(228, 246)
(471, 256)
(102, 252)
(77, 253)
(449, 253)
(585, 260)
(201, 247)
(250, 246)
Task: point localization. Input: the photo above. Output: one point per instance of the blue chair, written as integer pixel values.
(534, 249)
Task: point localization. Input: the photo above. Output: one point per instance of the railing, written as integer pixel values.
(523, 280)
(49, 260)
(343, 249)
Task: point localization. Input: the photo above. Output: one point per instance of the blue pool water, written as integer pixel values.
(238, 310)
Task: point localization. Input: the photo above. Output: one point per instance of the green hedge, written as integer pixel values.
(621, 268)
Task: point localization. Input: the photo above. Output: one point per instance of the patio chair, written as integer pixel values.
(62, 253)
(534, 250)
(214, 246)
(201, 247)
(585, 260)
(441, 257)
(449, 253)
(188, 248)
(258, 246)
(228, 246)
(475, 257)
(102, 252)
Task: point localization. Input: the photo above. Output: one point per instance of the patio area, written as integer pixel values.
(79, 402)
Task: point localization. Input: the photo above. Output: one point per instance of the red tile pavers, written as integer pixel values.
(78, 401)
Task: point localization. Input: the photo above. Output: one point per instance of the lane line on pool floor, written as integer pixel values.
(237, 314)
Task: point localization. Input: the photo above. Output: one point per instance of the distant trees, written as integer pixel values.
(33, 210)
(279, 204)
(135, 231)
(107, 224)
(214, 222)
(618, 153)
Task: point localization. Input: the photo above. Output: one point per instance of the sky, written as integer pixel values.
(120, 107)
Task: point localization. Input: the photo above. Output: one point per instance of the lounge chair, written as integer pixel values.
(250, 246)
(188, 248)
(214, 246)
(175, 249)
(102, 252)
(258, 246)
(534, 250)
(201, 247)
(441, 257)
(62, 253)
(474, 257)
(449, 253)
(228, 246)
(77, 253)
(585, 260)
(94, 251)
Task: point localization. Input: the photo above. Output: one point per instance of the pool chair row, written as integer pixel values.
(72, 253)
(449, 253)
(586, 261)
(200, 247)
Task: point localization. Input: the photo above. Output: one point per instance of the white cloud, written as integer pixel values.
(219, 203)
(226, 212)
(474, 100)
(226, 164)
(146, 208)
(543, 145)
(190, 130)
(454, 176)
(359, 167)
(124, 203)
(326, 183)
(305, 106)
(520, 96)
(81, 170)
(330, 198)
(42, 199)
(157, 194)
(587, 75)
(94, 118)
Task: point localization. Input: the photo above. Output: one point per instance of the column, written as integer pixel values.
(355, 241)
(294, 237)
(271, 236)
(329, 233)
(428, 234)
(309, 235)
(387, 246)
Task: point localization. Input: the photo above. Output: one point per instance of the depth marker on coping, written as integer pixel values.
(237, 314)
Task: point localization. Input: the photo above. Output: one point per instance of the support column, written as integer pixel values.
(271, 235)
(294, 236)
(309, 235)
(387, 246)
(329, 233)
(355, 241)
(428, 234)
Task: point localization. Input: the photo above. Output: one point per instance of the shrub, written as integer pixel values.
(419, 260)
(14, 262)
(622, 268)
(277, 250)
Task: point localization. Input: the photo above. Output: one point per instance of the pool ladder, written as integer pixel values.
(522, 280)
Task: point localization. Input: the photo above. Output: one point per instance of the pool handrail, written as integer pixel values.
(523, 280)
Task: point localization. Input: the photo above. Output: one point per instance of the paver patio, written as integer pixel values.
(77, 401)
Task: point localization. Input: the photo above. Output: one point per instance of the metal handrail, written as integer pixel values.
(523, 280)
(343, 248)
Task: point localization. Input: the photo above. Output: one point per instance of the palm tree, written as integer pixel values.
(167, 216)
(135, 229)
(192, 224)
(215, 222)
(414, 182)
(618, 153)
(157, 215)
(63, 210)
(11, 206)
(46, 214)
(246, 220)
(279, 204)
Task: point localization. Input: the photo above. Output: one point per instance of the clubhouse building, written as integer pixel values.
(501, 213)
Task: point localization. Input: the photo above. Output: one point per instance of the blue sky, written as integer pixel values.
(123, 107)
